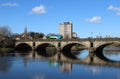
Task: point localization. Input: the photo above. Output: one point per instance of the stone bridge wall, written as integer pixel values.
(85, 42)
(55, 43)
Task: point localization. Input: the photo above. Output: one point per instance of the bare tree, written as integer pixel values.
(5, 31)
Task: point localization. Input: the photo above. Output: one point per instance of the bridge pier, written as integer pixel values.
(91, 49)
(33, 48)
(91, 56)
(59, 50)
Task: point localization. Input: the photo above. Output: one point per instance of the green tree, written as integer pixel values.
(41, 35)
(7, 42)
(36, 35)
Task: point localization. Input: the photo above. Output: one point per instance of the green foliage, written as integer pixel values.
(36, 35)
(5, 51)
(7, 42)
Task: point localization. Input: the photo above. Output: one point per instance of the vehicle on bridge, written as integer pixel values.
(55, 37)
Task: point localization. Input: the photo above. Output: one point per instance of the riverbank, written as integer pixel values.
(5, 51)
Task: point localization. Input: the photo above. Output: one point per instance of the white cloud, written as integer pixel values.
(38, 10)
(118, 13)
(95, 19)
(111, 7)
(117, 9)
(9, 4)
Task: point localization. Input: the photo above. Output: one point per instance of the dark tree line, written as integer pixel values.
(7, 42)
(7, 38)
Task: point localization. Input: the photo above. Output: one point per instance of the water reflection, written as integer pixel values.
(5, 64)
(65, 67)
(21, 54)
(35, 68)
(94, 69)
(24, 66)
(55, 64)
(39, 77)
(82, 54)
(112, 53)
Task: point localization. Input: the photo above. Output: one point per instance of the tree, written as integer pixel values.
(5, 37)
(36, 35)
(41, 35)
(7, 42)
(5, 31)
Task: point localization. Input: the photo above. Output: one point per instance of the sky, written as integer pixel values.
(90, 18)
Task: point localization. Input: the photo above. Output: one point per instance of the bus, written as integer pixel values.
(55, 36)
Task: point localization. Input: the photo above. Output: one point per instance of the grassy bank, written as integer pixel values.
(5, 51)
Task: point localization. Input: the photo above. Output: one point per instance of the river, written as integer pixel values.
(12, 67)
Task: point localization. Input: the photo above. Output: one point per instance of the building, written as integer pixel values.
(74, 35)
(65, 29)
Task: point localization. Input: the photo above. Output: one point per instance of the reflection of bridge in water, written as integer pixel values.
(63, 47)
(68, 61)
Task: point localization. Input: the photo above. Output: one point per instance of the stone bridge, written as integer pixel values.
(56, 43)
(95, 47)
(91, 44)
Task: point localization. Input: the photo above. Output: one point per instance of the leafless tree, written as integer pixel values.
(5, 31)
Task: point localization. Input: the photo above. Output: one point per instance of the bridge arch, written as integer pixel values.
(99, 50)
(67, 49)
(46, 49)
(84, 43)
(23, 47)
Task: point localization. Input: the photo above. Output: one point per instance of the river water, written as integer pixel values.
(12, 67)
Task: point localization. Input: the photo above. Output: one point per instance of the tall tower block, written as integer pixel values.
(66, 29)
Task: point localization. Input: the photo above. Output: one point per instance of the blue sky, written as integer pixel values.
(89, 17)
